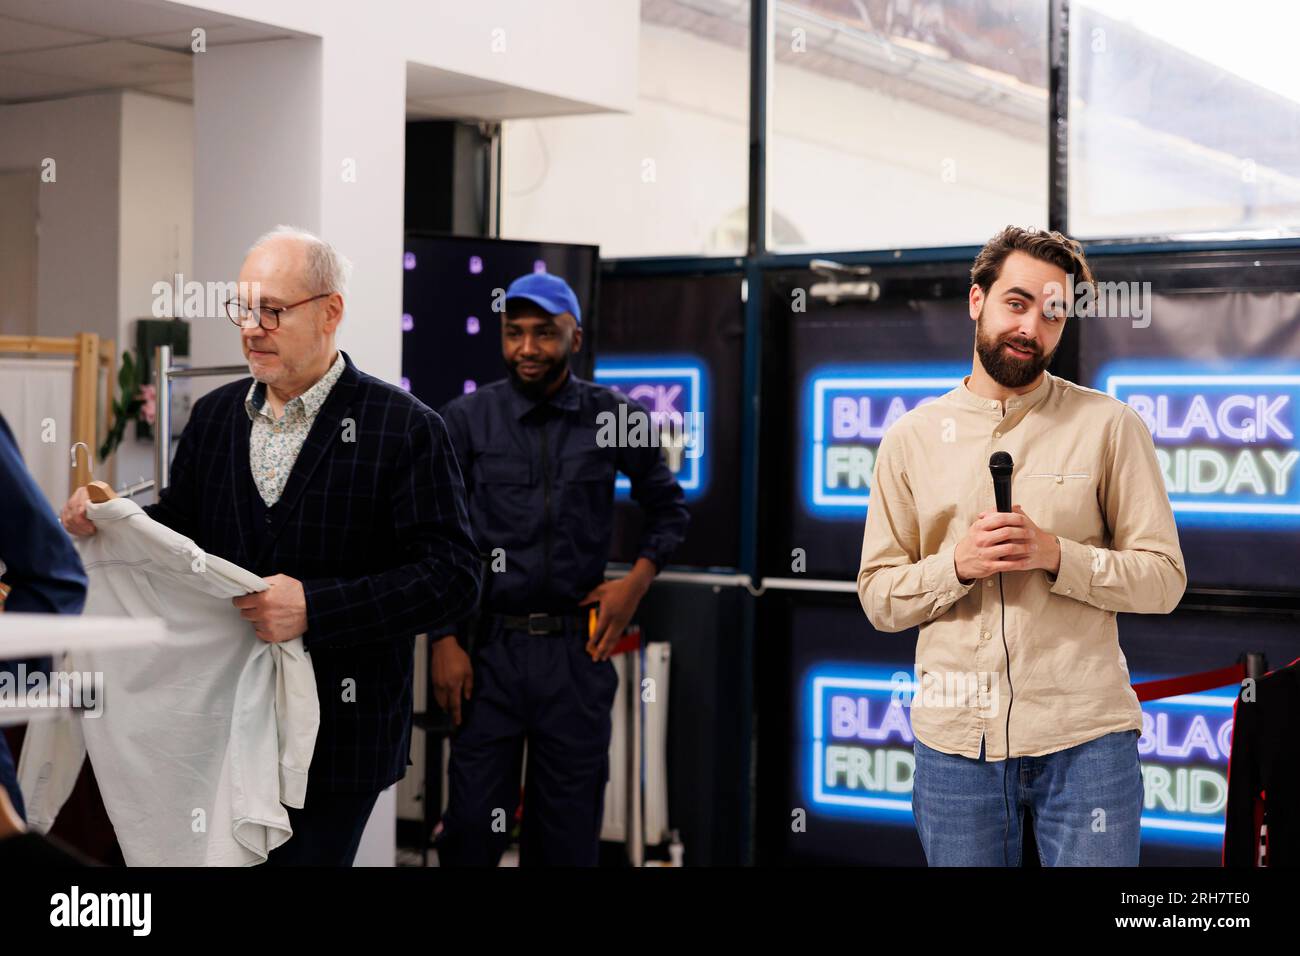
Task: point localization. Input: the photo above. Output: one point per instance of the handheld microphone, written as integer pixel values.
(1000, 467)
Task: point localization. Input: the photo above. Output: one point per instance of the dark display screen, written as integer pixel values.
(453, 300)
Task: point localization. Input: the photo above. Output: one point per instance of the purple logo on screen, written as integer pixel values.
(471, 325)
(539, 266)
(408, 323)
(408, 261)
(475, 265)
(470, 386)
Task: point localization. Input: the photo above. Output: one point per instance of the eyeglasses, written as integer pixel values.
(266, 316)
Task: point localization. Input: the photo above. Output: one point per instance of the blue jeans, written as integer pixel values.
(1085, 803)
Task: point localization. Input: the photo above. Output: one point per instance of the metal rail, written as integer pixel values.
(163, 373)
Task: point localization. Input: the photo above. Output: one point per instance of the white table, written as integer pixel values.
(41, 635)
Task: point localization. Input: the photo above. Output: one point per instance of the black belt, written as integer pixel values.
(539, 623)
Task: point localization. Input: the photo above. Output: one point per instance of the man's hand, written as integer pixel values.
(279, 613)
(618, 602)
(73, 516)
(1005, 541)
(453, 675)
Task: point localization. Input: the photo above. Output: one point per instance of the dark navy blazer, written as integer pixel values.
(372, 520)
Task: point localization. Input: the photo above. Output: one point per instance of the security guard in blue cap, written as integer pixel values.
(541, 500)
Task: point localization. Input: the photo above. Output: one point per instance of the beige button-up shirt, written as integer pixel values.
(1085, 471)
(274, 444)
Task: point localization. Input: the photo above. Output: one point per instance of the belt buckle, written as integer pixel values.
(531, 630)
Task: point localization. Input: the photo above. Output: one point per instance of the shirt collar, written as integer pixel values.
(309, 401)
(963, 395)
(566, 398)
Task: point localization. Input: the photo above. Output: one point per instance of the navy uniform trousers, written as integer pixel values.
(545, 689)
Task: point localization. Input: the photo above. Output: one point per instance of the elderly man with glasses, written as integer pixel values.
(344, 493)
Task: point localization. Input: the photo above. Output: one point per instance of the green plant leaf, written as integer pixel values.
(126, 405)
(126, 375)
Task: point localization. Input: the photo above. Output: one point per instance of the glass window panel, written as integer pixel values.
(906, 123)
(1184, 118)
(671, 178)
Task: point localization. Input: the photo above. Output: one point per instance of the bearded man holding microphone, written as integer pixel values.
(1018, 598)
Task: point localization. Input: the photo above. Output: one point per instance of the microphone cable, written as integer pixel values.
(1006, 832)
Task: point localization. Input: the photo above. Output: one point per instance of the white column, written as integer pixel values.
(257, 122)
(310, 135)
(363, 161)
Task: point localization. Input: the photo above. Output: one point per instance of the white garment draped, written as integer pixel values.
(203, 740)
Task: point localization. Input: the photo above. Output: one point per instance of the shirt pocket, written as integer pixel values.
(587, 498)
(589, 465)
(1062, 502)
(506, 501)
(1058, 476)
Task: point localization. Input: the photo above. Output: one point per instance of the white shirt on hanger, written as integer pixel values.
(204, 739)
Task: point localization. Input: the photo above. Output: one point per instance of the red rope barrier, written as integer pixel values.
(1190, 683)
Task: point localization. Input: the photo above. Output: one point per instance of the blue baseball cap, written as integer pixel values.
(550, 292)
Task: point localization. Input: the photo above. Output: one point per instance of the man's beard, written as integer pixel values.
(536, 389)
(1007, 370)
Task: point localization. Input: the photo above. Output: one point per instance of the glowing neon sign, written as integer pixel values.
(1184, 749)
(675, 391)
(857, 753)
(1226, 440)
(858, 740)
(846, 411)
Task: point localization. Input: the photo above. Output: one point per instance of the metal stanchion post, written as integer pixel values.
(1256, 665)
(162, 423)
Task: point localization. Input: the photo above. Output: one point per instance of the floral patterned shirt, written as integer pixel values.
(274, 444)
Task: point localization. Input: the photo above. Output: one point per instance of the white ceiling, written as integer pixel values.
(432, 93)
(74, 47)
(65, 48)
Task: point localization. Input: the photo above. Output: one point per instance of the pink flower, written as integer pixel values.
(148, 394)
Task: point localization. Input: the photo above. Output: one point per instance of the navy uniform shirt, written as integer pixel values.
(542, 489)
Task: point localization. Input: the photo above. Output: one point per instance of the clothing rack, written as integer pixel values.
(163, 373)
(91, 354)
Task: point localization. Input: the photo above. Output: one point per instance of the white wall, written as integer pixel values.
(362, 185)
(117, 218)
(156, 234)
(77, 280)
(19, 202)
(660, 181)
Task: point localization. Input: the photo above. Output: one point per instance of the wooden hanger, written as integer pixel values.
(99, 491)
